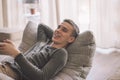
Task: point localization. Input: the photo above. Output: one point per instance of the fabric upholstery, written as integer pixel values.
(29, 36)
(80, 53)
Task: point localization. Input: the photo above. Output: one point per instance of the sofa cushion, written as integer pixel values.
(82, 50)
(29, 36)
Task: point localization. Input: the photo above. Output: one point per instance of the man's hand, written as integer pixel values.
(8, 48)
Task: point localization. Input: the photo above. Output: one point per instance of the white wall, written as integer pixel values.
(105, 22)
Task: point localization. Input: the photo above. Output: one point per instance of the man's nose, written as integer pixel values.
(58, 30)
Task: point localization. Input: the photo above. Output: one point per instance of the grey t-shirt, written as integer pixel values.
(42, 63)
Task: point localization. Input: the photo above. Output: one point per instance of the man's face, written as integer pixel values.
(63, 34)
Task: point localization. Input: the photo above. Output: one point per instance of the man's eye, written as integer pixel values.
(58, 27)
(65, 30)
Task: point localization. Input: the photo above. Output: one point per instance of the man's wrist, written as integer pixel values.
(16, 53)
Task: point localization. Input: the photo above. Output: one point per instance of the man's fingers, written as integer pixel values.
(8, 41)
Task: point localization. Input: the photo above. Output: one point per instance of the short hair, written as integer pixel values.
(72, 23)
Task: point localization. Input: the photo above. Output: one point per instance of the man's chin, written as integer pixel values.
(55, 41)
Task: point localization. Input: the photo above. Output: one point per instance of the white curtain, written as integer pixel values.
(105, 22)
(68, 9)
(48, 12)
(102, 17)
(54, 11)
(11, 15)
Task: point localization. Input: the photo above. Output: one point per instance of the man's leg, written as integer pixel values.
(5, 69)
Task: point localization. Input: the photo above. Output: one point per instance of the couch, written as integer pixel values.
(80, 52)
(85, 62)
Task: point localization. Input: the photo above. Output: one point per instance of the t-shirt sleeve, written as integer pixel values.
(44, 32)
(52, 67)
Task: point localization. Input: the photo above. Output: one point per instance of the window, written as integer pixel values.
(32, 10)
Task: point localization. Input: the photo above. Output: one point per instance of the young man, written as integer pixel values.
(45, 62)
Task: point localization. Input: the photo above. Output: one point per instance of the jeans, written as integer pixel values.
(7, 73)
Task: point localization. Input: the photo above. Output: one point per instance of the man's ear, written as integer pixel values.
(71, 39)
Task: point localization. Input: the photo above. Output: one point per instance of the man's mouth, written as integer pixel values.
(56, 35)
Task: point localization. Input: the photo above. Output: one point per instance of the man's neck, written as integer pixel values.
(55, 45)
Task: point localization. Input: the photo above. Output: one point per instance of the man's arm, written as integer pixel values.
(44, 32)
(53, 66)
